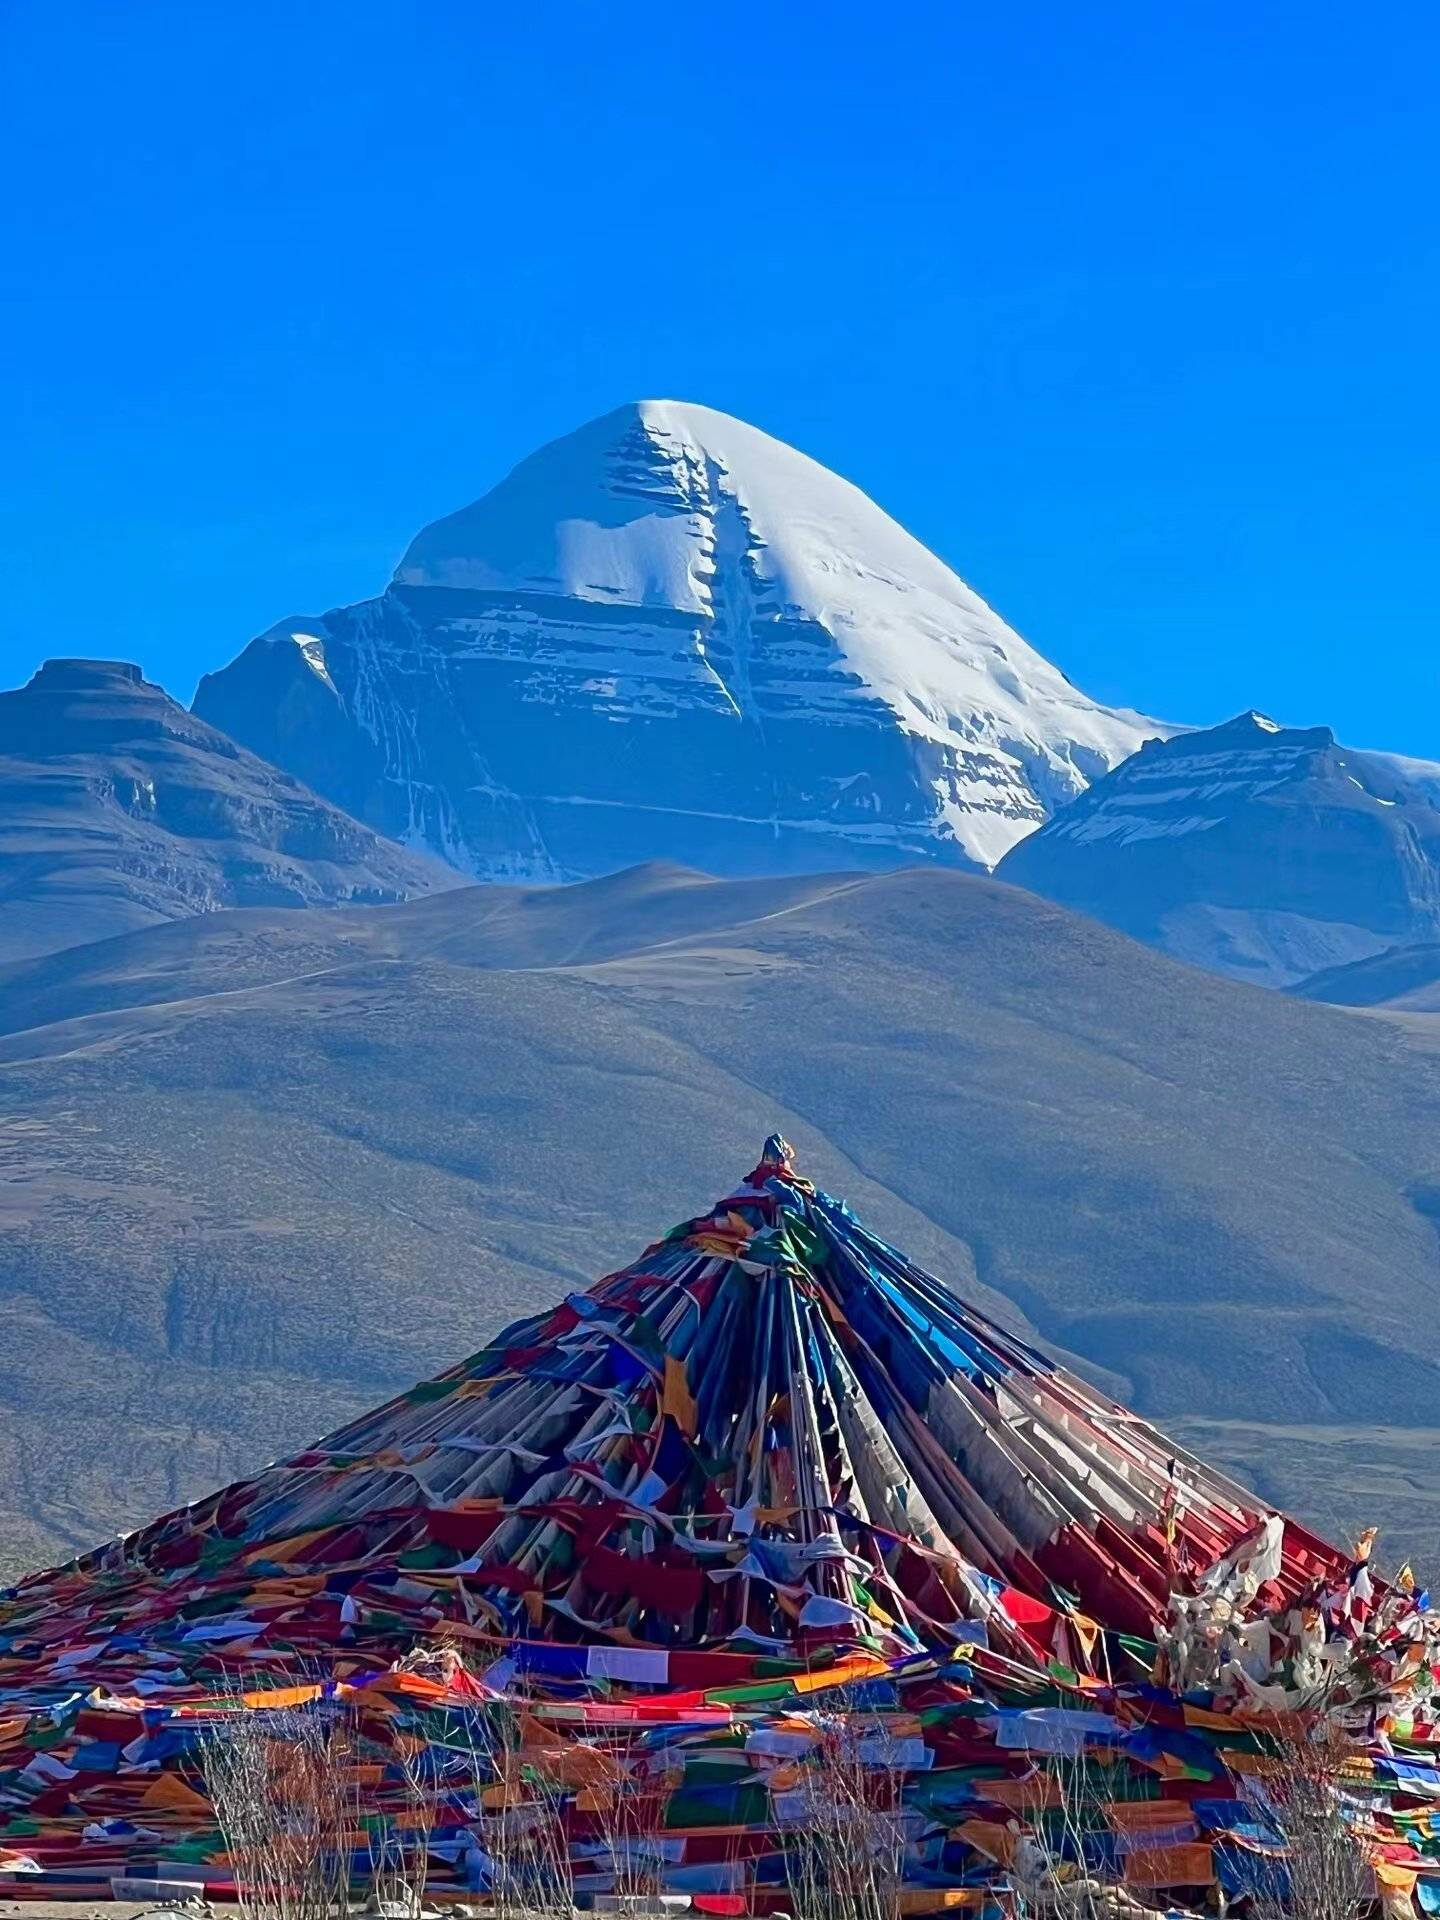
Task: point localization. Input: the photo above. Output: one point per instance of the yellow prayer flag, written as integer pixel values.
(677, 1399)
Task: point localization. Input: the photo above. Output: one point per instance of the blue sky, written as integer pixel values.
(1128, 310)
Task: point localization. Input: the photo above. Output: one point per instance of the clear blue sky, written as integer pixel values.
(1130, 311)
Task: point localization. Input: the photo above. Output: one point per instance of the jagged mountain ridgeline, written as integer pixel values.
(669, 636)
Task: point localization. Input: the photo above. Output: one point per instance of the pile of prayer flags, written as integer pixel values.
(767, 1513)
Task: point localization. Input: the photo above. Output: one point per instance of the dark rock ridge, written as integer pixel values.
(1265, 852)
(669, 636)
(118, 808)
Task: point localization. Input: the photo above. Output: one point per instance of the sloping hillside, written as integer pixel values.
(260, 1166)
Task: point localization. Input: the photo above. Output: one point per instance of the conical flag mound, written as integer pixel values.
(771, 1458)
(771, 1434)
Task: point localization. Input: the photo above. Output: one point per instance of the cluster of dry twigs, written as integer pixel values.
(1317, 1865)
(845, 1849)
(519, 1808)
(283, 1786)
(1327, 1871)
(289, 1790)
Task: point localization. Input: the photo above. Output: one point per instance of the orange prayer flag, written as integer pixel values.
(280, 1697)
(1216, 1722)
(574, 1764)
(1031, 1792)
(171, 1792)
(533, 1733)
(1147, 1816)
(1191, 1864)
(859, 1667)
(677, 1399)
(596, 1799)
(988, 1837)
(941, 1899)
(1255, 1765)
(418, 1685)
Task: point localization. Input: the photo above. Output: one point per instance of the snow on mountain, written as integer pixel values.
(1421, 776)
(119, 809)
(1261, 851)
(668, 635)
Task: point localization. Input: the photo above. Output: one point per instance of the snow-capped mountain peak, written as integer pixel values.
(675, 621)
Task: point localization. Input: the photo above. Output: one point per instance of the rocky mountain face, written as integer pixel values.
(1264, 852)
(671, 636)
(118, 809)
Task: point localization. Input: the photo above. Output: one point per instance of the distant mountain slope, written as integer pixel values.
(670, 636)
(260, 1166)
(1260, 851)
(1403, 979)
(118, 809)
(1420, 776)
